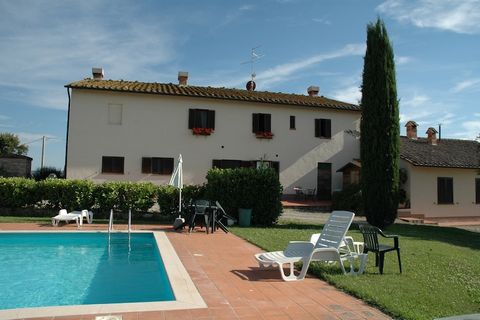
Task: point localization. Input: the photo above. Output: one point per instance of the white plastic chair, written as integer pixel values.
(326, 248)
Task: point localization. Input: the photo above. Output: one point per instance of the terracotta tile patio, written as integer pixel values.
(224, 270)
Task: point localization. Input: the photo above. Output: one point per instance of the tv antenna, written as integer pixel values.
(254, 57)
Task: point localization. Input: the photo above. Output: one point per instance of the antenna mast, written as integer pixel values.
(254, 57)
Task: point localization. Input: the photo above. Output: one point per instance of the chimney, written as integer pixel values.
(182, 78)
(432, 136)
(97, 73)
(250, 86)
(313, 91)
(411, 129)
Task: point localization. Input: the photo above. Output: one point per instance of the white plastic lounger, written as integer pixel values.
(67, 217)
(76, 216)
(326, 248)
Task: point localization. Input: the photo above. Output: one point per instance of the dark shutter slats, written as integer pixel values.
(328, 128)
(477, 190)
(317, 127)
(191, 118)
(255, 122)
(268, 122)
(211, 119)
(146, 165)
(292, 122)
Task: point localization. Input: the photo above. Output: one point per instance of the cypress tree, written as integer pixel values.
(380, 132)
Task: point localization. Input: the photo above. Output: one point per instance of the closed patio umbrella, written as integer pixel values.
(177, 181)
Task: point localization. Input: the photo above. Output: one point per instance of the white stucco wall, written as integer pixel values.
(157, 126)
(422, 182)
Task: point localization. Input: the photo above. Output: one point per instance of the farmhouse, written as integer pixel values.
(134, 131)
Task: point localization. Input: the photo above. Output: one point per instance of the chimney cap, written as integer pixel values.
(97, 73)
(182, 78)
(431, 130)
(313, 91)
(411, 123)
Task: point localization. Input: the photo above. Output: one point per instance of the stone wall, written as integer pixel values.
(16, 166)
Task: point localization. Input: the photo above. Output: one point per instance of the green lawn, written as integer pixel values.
(441, 269)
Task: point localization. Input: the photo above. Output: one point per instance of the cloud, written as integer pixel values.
(322, 21)
(246, 7)
(283, 71)
(351, 94)
(415, 101)
(466, 84)
(288, 71)
(46, 45)
(456, 16)
(399, 60)
(28, 137)
(2, 117)
(471, 130)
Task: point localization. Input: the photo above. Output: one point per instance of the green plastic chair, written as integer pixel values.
(370, 238)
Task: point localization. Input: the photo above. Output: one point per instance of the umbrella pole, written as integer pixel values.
(180, 204)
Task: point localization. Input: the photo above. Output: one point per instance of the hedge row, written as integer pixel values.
(259, 190)
(81, 194)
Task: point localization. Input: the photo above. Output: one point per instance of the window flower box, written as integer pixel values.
(264, 135)
(202, 131)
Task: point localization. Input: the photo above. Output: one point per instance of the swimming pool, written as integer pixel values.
(42, 270)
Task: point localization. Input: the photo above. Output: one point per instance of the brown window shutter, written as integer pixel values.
(216, 163)
(256, 122)
(146, 165)
(191, 118)
(317, 127)
(477, 190)
(327, 128)
(268, 122)
(211, 119)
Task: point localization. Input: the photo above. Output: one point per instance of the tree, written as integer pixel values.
(10, 144)
(380, 129)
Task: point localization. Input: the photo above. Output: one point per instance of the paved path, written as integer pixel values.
(229, 280)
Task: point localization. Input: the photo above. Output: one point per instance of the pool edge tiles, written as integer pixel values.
(185, 291)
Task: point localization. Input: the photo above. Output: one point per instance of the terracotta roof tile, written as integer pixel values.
(448, 153)
(214, 93)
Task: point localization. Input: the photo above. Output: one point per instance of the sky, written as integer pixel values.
(45, 45)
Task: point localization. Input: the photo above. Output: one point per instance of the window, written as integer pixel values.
(115, 113)
(157, 165)
(444, 190)
(477, 190)
(292, 123)
(201, 118)
(261, 123)
(323, 128)
(232, 164)
(113, 164)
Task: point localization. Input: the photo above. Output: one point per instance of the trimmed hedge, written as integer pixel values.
(349, 199)
(256, 189)
(233, 188)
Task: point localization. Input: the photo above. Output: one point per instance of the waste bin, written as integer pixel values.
(244, 217)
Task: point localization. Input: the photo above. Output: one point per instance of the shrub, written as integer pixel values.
(350, 199)
(17, 192)
(258, 189)
(47, 172)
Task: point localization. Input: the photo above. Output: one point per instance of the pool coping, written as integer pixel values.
(185, 291)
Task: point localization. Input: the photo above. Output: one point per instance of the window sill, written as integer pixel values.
(264, 135)
(114, 173)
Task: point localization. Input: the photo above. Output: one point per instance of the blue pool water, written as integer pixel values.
(56, 269)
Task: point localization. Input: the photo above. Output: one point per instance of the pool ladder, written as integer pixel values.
(110, 227)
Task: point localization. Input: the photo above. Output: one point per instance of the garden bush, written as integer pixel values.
(350, 199)
(17, 192)
(256, 189)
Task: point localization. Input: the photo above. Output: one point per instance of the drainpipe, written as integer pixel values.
(68, 127)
